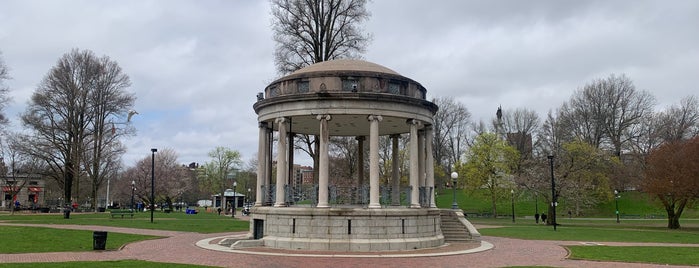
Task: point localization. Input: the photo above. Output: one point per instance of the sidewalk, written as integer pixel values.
(180, 247)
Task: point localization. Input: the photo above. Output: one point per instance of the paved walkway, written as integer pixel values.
(180, 247)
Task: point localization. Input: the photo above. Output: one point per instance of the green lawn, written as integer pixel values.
(176, 221)
(16, 239)
(607, 230)
(103, 264)
(658, 255)
(594, 234)
(631, 204)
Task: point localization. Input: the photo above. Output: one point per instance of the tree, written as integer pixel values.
(451, 124)
(218, 175)
(671, 176)
(171, 178)
(311, 31)
(582, 175)
(606, 112)
(489, 163)
(4, 90)
(68, 113)
(680, 122)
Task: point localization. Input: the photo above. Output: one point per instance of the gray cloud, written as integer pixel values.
(196, 66)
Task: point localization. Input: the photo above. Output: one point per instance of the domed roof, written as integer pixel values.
(345, 65)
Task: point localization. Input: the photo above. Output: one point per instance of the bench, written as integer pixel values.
(121, 213)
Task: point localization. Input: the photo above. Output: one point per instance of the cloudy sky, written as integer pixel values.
(196, 66)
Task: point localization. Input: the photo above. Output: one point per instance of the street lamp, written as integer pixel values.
(235, 198)
(454, 176)
(133, 188)
(247, 196)
(553, 194)
(513, 205)
(152, 183)
(616, 202)
(536, 207)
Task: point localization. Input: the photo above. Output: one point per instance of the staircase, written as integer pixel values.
(454, 229)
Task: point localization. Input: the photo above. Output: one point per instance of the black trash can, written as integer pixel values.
(66, 213)
(99, 240)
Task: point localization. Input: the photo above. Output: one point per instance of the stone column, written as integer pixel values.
(395, 173)
(374, 161)
(421, 164)
(323, 163)
(429, 163)
(360, 161)
(414, 166)
(421, 155)
(281, 162)
(261, 161)
(268, 167)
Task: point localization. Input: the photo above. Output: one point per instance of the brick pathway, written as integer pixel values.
(179, 247)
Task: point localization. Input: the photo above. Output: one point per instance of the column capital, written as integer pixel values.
(281, 120)
(360, 138)
(375, 117)
(262, 124)
(326, 117)
(413, 121)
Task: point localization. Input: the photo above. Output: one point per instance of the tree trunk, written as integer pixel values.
(673, 222)
(495, 209)
(68, 183)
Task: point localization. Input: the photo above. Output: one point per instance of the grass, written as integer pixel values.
(102, 264)
(630, 203)
(657, 255)
(594, 233)
(176, 221)
(16, 239)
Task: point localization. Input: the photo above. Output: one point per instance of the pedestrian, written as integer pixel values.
(570, 214)
(536, 217)
(219, 211)
(543, 217)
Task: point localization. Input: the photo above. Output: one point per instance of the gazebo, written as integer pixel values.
(365, 101)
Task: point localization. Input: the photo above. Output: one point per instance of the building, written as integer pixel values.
(27, 191)
(350, 98)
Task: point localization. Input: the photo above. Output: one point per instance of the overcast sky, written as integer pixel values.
(196, 66)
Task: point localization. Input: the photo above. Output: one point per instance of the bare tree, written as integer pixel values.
(451, 125)
(68, 114)
(4, 90)
(606, 112)
(311, 31)
(171, 178)
(681, 122)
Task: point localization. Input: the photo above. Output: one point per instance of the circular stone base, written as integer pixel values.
(347, 229)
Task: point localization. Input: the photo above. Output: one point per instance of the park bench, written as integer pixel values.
(121, 213)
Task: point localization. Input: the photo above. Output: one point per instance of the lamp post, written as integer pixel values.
(235, 198)
(454, 176)
(247, 196)
(553, 194)
(513, 205)
(152, 183)
(133, 188)
(616, 202)
(536, 207)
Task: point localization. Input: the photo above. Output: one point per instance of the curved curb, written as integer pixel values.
(205, 244)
